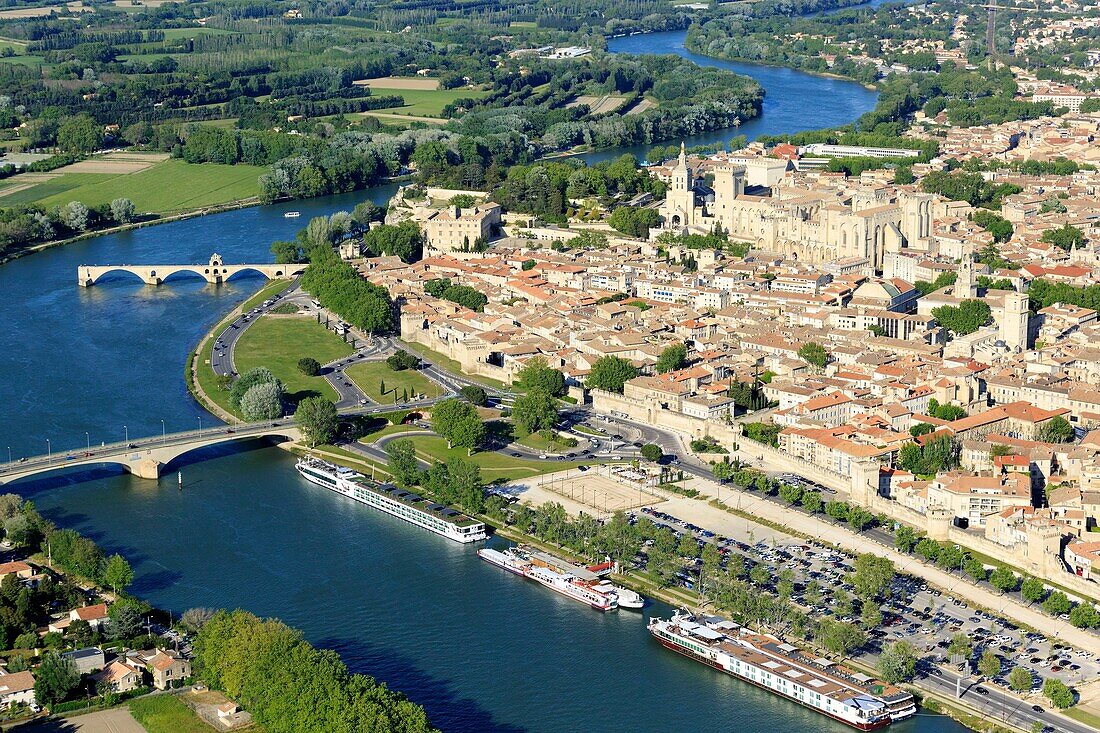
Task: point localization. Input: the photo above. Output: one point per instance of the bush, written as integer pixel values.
(474, 395)
(309, 366)
(402, 360)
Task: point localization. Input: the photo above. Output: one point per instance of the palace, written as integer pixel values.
(815, 226)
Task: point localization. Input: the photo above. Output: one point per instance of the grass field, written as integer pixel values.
(172, 34)
(165, 188)
(1083, 716)
(278, 344)
(536, 441)
(493, 465)
(369, 375)
(166, 714)
(427, 102)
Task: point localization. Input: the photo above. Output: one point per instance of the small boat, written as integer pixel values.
(629, 599)
(292, 214)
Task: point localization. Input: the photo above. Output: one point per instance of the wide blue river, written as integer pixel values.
(480, 650)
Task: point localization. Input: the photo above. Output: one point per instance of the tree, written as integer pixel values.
(1003, 579)
(79, 134)
(309, 366)
(790, 493)
(812, 501)
(859, 518)
(124, 620)
(1056, 691)
(1057, 603)
(672, 358)
(814, 354)
(872, 576)
(75, 216)
(117, 573)
(458, 423)
(966, 318)
(318, 419)
(401, 360)
(54, 679)
(722, 471)
(633, 221)
(536, 375)
(898, 662)
(839, 637)
(1056, 430)
(403, 465)
(905, 538)
(535, 411)
(652, 452)
(123, 210)
(474, 395)
(960, 646)
(989, 664)
(1019, 679)
(1084, 616)
(248, 380)
(263, 402)
(1066, 237)
(1033, 589)
(610, 373)
(760, 576)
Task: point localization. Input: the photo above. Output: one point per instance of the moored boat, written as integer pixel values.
(842, 694)
(392, 500)
(572, 581)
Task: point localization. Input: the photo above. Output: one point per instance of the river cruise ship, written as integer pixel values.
(392, 500)
(572, 581)
(817, 683)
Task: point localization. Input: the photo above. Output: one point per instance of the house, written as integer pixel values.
(17, 688)
(169, 668)
(119, 676)
(86, 660)
(20, 570)
(95, 615)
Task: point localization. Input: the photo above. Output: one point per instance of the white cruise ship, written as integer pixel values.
(392, 500)
(572, 581)
(819, 684)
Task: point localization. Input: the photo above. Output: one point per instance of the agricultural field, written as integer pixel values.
(166, 187)
(423, 98)
(599, 105)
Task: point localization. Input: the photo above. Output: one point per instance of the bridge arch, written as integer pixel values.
(148, 459)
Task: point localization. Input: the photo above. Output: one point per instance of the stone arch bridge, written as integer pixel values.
(215, 271)
(145, 457)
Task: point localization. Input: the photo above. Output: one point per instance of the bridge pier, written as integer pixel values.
(148, 468)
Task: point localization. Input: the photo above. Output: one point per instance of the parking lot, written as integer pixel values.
(922, 616)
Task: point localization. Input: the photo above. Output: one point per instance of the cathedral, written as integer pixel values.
(811, 225)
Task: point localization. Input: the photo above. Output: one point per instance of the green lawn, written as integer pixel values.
(369, 376)
(166, 714)
(165, 188)
(426, 102)
(279, 342)
(493, 465)
(1083, 716)
(173, 34)
(536, 441)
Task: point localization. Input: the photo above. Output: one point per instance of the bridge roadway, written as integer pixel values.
(215, 271)
(146, 457)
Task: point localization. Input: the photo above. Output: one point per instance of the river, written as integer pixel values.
(481, 650)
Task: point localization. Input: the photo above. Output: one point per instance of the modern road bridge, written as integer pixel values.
(214, 272)
(145, 457)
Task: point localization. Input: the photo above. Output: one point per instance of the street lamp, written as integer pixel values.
(88, 441)
(200, 423)
(49, 451)
(126, 432)
(163, 433)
